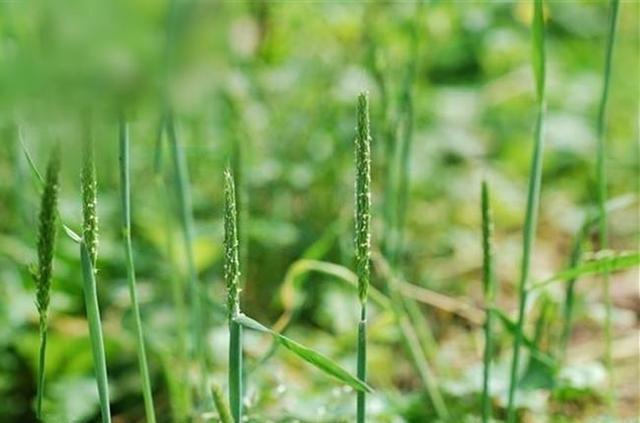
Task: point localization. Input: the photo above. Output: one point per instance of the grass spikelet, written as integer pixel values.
(533, 198)
(89, 187)
(47, 231)
(362, 237)
(489, 297)
(232, 277)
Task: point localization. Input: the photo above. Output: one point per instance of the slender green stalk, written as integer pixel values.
(232, 278)
(489, 298)
(533, 199)
(131, 273)
(88, 256)
(181, 395)
(601, 178)
(574, 260)
(95, 331)
(186, 218)
(47, 231)
(362, 237)
(224, 414)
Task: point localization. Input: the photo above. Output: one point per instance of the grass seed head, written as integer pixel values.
(231, 257)
(47, 235)
(89, 188)
(363, 196)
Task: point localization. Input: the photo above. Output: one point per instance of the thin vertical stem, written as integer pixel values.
(533, 199)
(489, 296)
(181, 180)
(125, 169)
(95, 331)
(601, 178)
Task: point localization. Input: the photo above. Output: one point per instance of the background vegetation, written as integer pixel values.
(271, 88)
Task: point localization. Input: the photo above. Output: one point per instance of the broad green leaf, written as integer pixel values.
(309, 355)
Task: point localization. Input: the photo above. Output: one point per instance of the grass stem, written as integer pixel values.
(125, 177)
(489, 297)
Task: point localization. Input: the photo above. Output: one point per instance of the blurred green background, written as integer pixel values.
(277, 80)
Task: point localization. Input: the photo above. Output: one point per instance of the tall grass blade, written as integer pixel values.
(95, 330)
(43, 273)
(125, 177)
(224, 413)
(362, 238)
(307, 354)
(601, 179)
(533, 198)
(232, 278)
(489, 298)
(181, 182)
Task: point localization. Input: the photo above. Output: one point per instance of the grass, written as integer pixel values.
(125, 177)
(601, 179)
(232, 278)
(47, 230)
(362, 237)
(489, 290)
(533, 199)
(88, 258)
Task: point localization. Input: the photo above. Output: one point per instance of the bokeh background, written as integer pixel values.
(277, 81)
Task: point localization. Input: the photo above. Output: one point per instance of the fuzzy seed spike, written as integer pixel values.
(363, 196)
(231, 245)
(89, 187)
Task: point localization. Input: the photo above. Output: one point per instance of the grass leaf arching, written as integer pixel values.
(47, 230)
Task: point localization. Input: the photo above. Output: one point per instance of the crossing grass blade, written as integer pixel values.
(95, 331)
(533, 198)
(44, 271)
(224, 414)
(125, 177)
(307, 354)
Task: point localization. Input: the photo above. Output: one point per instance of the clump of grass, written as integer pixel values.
(232, 278)
(601, 179)
(362, 237)
(533, 198)
(131, 273)
(88, 256)
(489, 298)
(47, 231)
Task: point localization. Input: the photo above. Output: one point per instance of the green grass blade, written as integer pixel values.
(181, 182)
(533, 199)
(608, 261)
(125, 177)
(601, 180)
(489, 298)
(95, 331)
(224, 413)
(307, 354)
